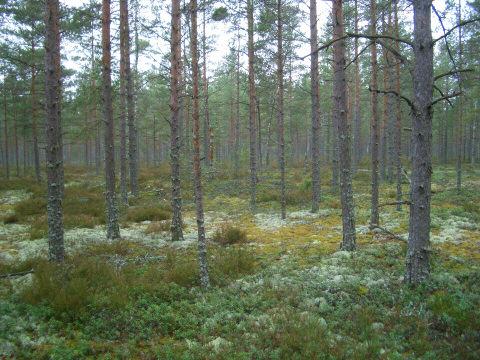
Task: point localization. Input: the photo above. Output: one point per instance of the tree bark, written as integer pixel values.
(280, 110)
(343, 129)
(417, 262)
(53, 128)
(175, 108)
(375, 136)
(113, 231)
(315, 96)
(15, 137)
(251, 106)
(237, 110)
(197, 173)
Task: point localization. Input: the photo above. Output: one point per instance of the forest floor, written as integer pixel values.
(281, 289)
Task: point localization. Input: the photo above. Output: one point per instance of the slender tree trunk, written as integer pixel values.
(343, 129)
(398, 118)
(5, 131)
(207, 148)
(459, 122)
(251, 105)
(357, 116)
(132, 129)
(374, 219)
(197, 173)
(417, 262)
(123, 100)
(33, 94)
(113, 231)
(280, 110)
(15, 138)
(175, 108)
(237, 109)
(259, 127)
(53, 128)
(315, 107)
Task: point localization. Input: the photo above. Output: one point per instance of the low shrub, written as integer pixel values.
(148, 213)
(157, 227)
(229, 235)
(10, 219)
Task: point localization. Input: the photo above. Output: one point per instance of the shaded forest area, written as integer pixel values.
(239, 179)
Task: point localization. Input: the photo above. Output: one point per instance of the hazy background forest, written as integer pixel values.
(238, 179)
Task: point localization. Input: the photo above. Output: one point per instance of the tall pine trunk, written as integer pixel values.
(357, 132)
(459, 122)
(375, 133)
(398, 118)
(343, 128)
(252, 111)
(33, 95)
(417, 262)
(113, 231)
(197, 173)
(207, 148)
(53, 128)
(315, 107)
(5, 131)
(132, 128)
(175, 108)
(123, 100)
(280, 110)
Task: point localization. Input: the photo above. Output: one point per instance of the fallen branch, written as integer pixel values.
(388, 232)
(22, 273)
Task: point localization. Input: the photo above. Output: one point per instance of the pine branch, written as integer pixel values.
(446, 97)
(407, 100)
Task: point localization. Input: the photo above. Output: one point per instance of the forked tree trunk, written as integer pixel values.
(375, 136)
(113, 231)
(343, 129)
(53, 128)
(123, 101)
(175, 108)
(197, 173)
(280, 110)
(315, 107)
(417, 262)
(251, 106)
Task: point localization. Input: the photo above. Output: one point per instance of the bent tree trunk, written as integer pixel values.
(197, 173)
(113, 231)
(417, 263)
(54, 150)
(343, 129)
(175, 108)
(315, 107)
